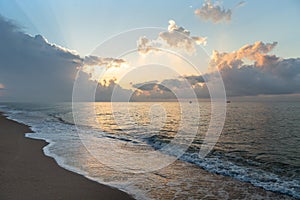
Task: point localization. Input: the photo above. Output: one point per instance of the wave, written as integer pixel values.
(217, 164)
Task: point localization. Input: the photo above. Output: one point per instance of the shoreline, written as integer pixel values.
(26, 173)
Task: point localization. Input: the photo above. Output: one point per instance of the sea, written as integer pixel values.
(257, 155)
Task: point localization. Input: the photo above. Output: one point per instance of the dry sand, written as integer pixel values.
(26, 173)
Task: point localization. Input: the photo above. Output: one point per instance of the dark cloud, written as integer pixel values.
(166, 89)
(106, 62)
(33, 69)
(281, 77)
(96, 66)
(151, 85)
(174, 83)
(195, 79)
(87, 90)
(145, 85)
(111, 91)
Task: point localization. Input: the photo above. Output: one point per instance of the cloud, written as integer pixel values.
(148, 91)
(145, 45)
(179, 37)
(253, 52)
(176, 37)
(166, 89)
(145, 85)
(242, 3)
(195, 79)
(215, 11)
(153, 85)
(264, 75)
(32, 69)
(282, 77)
(152, 92)
(96, 66)
(248, 71)
(268, 74)
(175, 84)
(105, 92)
(200, 40)
(106, 62)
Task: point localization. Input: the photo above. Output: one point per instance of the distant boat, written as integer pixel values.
(228, 101)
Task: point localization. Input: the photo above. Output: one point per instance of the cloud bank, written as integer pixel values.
(267, 74)
(32, 68)
(249, 71)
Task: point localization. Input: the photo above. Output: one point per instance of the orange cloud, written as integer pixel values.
(256, 52)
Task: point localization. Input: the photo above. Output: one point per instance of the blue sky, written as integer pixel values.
(82, 25)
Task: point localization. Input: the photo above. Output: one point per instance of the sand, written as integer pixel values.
(26, 173)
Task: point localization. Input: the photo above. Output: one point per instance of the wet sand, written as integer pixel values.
(26, 173)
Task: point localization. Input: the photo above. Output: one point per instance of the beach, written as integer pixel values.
(26, 173)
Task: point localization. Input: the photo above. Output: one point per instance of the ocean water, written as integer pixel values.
(259, 146)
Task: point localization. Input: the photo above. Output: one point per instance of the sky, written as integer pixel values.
(47, 41)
